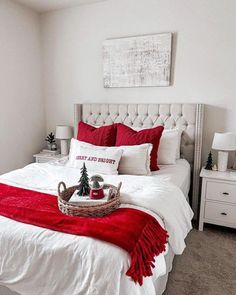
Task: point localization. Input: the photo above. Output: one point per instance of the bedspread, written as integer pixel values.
(37, 261)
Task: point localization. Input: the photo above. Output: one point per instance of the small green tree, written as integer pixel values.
(83, 182)
(50, 138)
(209, 163)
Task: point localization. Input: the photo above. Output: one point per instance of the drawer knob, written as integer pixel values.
(225, 193)
(223, 213)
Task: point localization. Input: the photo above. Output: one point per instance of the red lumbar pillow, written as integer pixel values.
(102, 136)
(128, 136)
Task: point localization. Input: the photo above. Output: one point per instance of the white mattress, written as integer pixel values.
(179, 174)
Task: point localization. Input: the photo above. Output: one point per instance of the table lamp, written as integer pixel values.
(64, 133)
(223, 142)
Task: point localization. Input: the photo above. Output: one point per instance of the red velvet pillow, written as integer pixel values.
(102, 136)
(128, 136)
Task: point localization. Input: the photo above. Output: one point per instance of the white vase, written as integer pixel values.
(49, 145)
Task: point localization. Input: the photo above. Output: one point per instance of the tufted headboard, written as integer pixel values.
(188, 117)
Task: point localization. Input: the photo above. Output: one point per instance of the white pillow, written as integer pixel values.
(104, 160)
(169, 148)
(179, 142)
(135, 159)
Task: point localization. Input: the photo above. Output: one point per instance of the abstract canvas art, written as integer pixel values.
(137, 61)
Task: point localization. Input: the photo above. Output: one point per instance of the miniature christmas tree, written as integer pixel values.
(209, 164)
(84, 182)
(50, 138)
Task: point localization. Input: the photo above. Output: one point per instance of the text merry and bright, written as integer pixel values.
(95, 159)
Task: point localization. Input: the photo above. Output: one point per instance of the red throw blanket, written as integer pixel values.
(133, 230)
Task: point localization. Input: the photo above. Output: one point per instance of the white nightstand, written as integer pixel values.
(44, 158)
(218, 198)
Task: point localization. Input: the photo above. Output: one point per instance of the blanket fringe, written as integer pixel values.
(150, 244)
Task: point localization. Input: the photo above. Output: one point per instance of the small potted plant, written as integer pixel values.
(51, 142)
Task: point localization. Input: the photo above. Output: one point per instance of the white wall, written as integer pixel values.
(22, 120)
(204, 65)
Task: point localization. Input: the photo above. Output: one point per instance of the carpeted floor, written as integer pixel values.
(208, 264)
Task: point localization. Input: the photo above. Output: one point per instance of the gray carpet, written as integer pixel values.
(208, 264)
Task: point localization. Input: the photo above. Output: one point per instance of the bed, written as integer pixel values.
(39, 261)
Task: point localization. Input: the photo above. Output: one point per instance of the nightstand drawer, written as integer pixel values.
(220, 212)
(42, 160)
(220, 191)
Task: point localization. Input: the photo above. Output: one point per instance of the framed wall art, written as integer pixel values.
(137, 61)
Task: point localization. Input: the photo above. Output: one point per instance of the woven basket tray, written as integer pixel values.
(84, 210)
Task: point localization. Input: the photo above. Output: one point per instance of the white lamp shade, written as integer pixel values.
(224, 141)
(63, 132)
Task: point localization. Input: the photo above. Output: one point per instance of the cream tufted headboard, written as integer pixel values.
(188, 117)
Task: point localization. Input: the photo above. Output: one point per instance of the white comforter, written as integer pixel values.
(36, 261)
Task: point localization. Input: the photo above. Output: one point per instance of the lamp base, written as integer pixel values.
(64, 147)
(222, 161)
(234, 164)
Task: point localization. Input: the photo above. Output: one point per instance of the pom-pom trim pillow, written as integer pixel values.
(127, 136)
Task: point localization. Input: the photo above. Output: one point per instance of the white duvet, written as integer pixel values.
(37, 261)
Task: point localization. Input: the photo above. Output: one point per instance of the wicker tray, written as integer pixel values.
(91, 210)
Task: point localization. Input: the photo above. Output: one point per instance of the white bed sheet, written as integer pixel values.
(32, 261)
(179, 174)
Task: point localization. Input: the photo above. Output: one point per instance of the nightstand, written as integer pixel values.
(218, 198)
(44, 158)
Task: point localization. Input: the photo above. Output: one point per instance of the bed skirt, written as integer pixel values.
(160, 284)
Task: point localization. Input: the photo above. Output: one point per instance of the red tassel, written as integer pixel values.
(150, 244)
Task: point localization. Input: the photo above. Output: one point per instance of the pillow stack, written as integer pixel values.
(118, 148)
